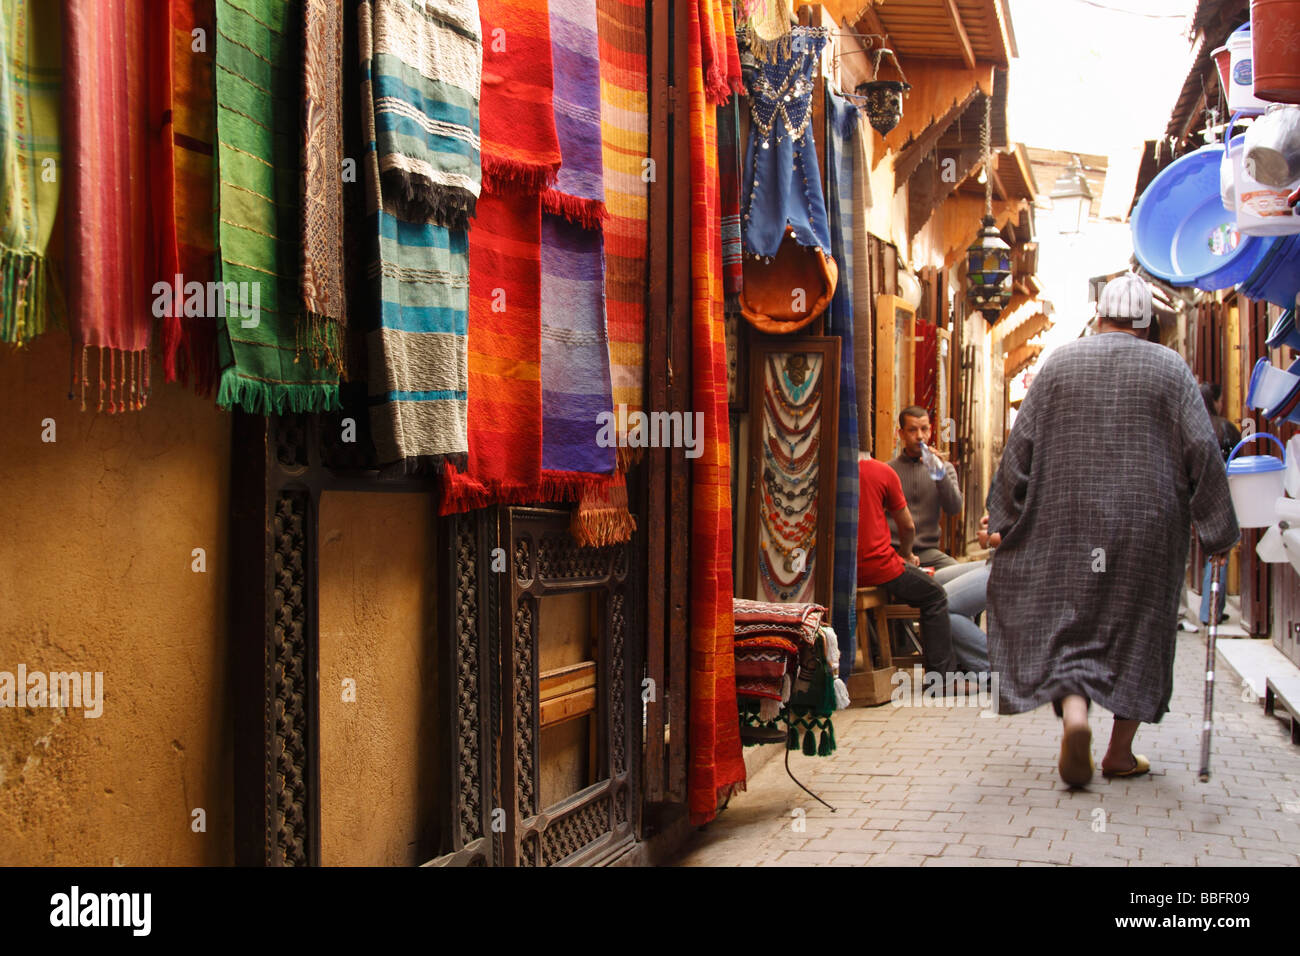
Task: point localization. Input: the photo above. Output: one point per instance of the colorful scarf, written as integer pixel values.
(717, 767)
(322, 184)
(729, 172)
(258, 108)
(579, 191)
(418, 274)
(505, 382)
(29, 165)
(843, 117)
(427, 62)
(109, 264)
(183, 174)
(602, 517)
(521, 151)
(625, 146)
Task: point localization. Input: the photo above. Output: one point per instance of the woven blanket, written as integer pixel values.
(761, 666)
(427, 62)
(729, 184)
(321, 333)
(183, 118)
(625, 147)
(843, 119)
(259, 67)
(521, 151)
(418, 285)
(505, 384)
(106, 173)
(797, 621)
(579, 190)
(717, 767)
(30, 85)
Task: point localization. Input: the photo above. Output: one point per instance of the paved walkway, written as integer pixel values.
(927, 786)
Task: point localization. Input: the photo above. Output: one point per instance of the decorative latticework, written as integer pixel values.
(570, 834)
(287, 776)
(467, 676)
(525, 640)
(618, 731)
(560, 558)
(291, 440)
(523, 564)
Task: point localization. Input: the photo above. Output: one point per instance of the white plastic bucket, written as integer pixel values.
(1271, 549)
(1241, 75)
(1261, 210)
(1292, 480)
(1255, 482)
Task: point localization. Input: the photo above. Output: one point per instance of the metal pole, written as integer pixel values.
(1207, 725)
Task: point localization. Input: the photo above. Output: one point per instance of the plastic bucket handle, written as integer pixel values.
(1249, 438)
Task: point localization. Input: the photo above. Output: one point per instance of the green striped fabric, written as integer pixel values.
(265, 366)
(30, 79)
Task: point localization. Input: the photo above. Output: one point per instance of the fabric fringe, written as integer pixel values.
(627, 457)
(266, 398)
(416, 199)
(126, 384)
(716, 88)
(31, 295)
(508, 177)
(587, 213)
(322, 338)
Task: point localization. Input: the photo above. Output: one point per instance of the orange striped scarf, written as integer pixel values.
(717, 766)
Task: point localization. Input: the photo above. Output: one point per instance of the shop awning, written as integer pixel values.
(968, 31)
(1019, 360)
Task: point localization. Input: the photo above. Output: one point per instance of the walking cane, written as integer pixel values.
(1216, 562)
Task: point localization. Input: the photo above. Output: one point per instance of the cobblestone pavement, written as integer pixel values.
(932, 786)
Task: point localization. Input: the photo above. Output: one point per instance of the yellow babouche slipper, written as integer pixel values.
(1140, 767)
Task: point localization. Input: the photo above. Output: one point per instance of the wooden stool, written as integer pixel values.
(873, 685)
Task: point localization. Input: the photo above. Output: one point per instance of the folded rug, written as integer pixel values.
(30, 86)
(106, 172)
(259, 66)
(505, 384)
(182, 173)
(427, 61)
(321, 333)
(717, 767)
(521, 152)
(801, 621)
(625, 148)
(418, 281)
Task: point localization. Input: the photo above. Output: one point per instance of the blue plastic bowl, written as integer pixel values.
(1284, 332)
(1182, 233)
(1277, 278)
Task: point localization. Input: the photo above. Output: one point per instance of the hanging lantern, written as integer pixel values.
(988, 272)
(1072, 197)
(883, 99)
(988, 259)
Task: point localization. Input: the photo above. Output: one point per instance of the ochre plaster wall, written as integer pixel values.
(95, 575)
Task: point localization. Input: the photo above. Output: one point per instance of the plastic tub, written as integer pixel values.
(1283, 333)
(1241, 90)
(1269, 386)
(1262, 210)
(1277, 278)
(1255, 482)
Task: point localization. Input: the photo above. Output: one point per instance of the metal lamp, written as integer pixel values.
(1072, 199)
(988, 259)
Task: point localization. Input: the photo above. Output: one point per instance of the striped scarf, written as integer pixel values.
(29, 160)
(717, 765)
(729, 169)
(843, 117)
(109, 260)
(258, 108)
(183, 172)
(418, 270)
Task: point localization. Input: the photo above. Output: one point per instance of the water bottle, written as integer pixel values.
(933, 466)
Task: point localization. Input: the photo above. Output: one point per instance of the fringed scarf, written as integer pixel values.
(602, 517)
(766, 26)
(30, 86)
(843, 117)
(729, 170)
(625, 147)
(109, 259)
(427, 67)
(717, 766)
(418, 269)
(322, 335)
(182, 174)
(521, 151)
(258, 108)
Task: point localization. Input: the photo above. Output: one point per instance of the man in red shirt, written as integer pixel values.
(879, 565)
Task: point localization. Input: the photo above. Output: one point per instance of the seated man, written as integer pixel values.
(879, 565)
(925, 496)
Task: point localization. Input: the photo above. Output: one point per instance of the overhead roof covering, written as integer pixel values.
(1213, 21)
(970, 31)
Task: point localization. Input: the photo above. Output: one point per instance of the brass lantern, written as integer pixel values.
(988, 272)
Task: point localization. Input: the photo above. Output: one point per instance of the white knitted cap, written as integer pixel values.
(1126, 297)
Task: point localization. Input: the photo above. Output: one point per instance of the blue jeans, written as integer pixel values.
(1205, 592)
(967, 588)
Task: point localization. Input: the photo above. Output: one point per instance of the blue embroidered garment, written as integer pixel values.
(781, 159)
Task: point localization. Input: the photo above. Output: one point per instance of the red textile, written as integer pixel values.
(926, 368)
(879, 491)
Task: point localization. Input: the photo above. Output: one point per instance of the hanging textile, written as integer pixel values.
(322, 335)
(427, 66)
(840, 151)
(717, 766)
(30, 86)
(182, 173)
(521, 151)
(729, 185)
(259, 44)
(766, 25)
(417, 337)
(625, 148)
(860, 270)
(109, 259)
(575, 349)
(925, 367)
(602, 517)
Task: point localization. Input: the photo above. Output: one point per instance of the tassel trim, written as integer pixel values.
(266, 398)
(602, 527)
(508, 177)
(124, 389)
(320, 336)
(416, 199)
(587, 213)
(30, 295)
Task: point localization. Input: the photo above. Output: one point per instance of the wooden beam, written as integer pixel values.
(873, 25)
(954, 17)
(911, 157)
